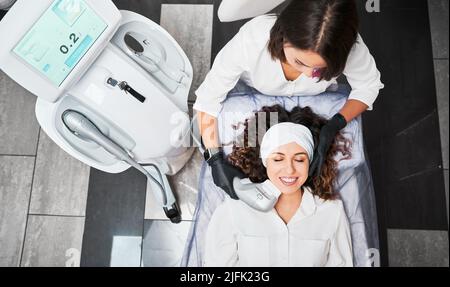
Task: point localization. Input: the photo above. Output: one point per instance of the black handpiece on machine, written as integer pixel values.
(125, 87)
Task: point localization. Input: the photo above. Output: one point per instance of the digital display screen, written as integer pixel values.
(60, 38)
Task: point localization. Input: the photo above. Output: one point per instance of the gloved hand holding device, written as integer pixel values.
(223, 173)
(327, 135)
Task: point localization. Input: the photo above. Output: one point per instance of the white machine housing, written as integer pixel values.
(155, 131)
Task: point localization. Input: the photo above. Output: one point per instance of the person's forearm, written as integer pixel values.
(352, 109)
(208, 129)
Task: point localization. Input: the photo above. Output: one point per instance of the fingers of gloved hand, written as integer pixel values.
(223, 175)
(326, 137)
(228, 188)
(321, 158)
(232, 172)
(312, 167)
(235, 172)
(218, 175)
(320, 166)
(227, 170)
(316, 167)
(232, 193)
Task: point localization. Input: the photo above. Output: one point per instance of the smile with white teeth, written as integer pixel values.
(288, 180)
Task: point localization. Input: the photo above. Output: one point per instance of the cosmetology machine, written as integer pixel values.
(112, 86)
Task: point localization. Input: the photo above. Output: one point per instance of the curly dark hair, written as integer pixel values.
(246, 157)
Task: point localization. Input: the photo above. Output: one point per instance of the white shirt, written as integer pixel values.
(317, 235)
(247, 57)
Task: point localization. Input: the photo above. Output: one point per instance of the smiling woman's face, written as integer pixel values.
(287, 167)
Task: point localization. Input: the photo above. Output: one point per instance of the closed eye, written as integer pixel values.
(300, 64)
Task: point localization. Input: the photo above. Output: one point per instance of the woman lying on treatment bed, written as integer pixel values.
(308, 225)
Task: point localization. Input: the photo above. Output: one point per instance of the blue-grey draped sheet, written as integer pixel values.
(354, 182)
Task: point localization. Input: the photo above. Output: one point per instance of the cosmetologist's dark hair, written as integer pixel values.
(326, 27)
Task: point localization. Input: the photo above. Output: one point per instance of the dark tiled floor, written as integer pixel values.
(417, 202)
(402, 132)
(399, 38)
(115, 209)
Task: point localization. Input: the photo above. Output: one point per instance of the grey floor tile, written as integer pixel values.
(16, 175)
(19, 128)
(185, 186)
(418, 248)
(53, 241)
(438, 10)
(114, 219)
(191, 26)
(441, 74)
(164, 243)
(60, 182)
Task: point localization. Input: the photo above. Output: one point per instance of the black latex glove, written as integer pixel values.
(223, 173)
(326, 138)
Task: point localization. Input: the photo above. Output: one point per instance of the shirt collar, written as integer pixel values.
(308, 205)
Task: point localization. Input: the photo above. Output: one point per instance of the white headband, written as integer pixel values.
(284, 133)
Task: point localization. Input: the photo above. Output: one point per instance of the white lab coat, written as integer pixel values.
(317, 235)
(246, 57)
